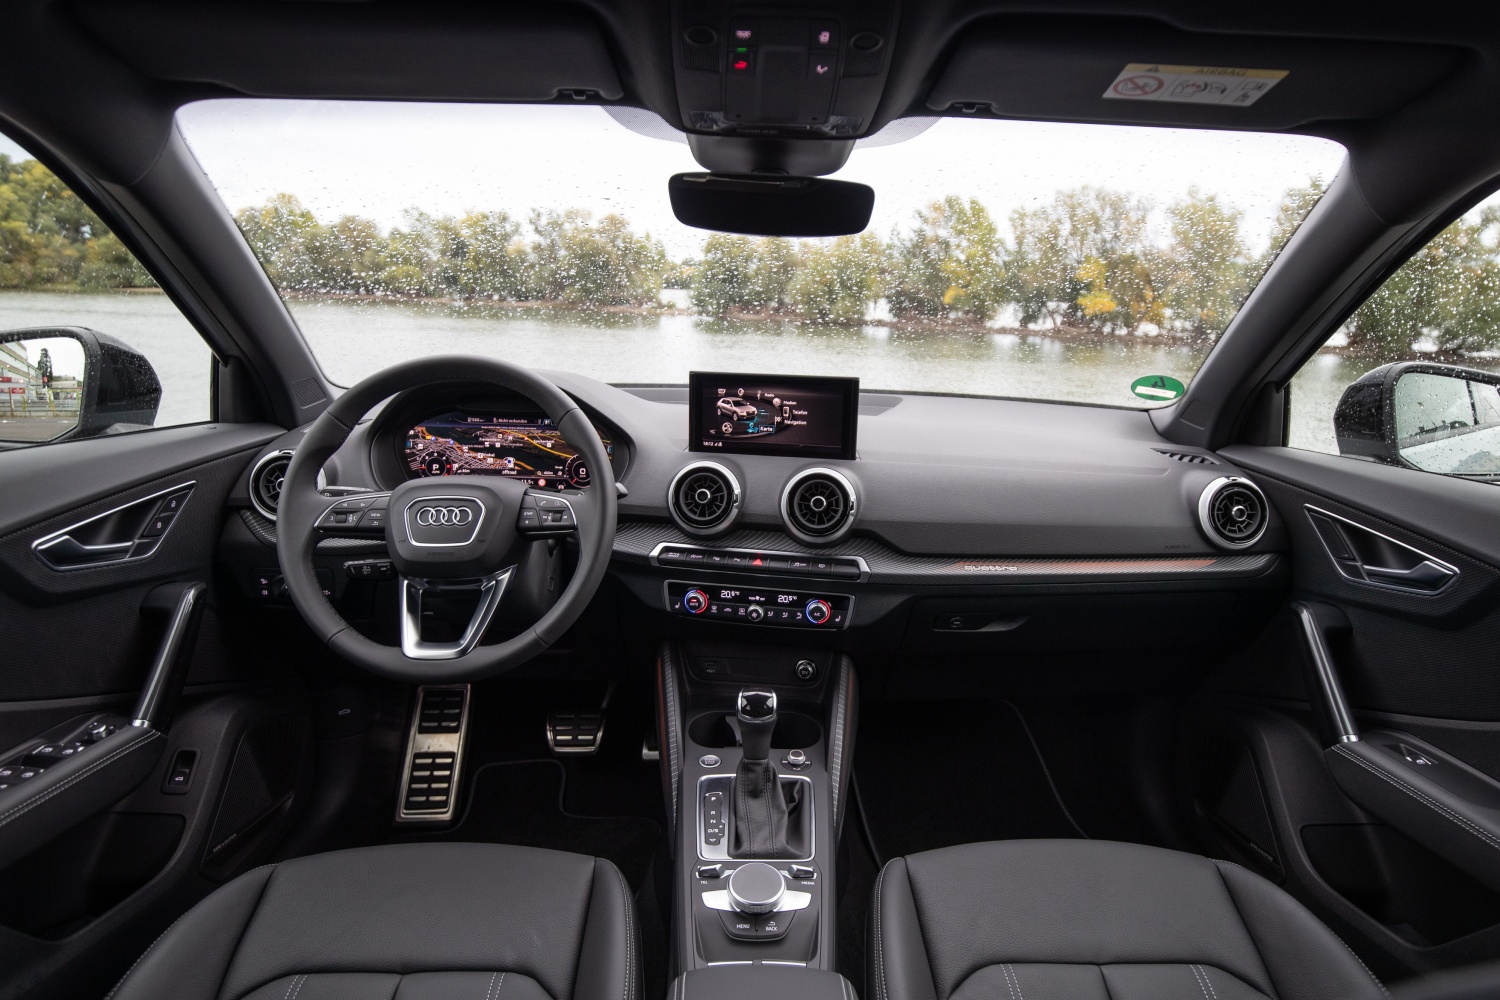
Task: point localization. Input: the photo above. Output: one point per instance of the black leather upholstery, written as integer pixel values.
(760, 982)
(404, 922)
(1076, 919)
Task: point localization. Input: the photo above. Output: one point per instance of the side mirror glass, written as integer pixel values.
(1437, 418)
(64, 383)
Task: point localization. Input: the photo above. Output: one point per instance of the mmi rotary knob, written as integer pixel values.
(756, 888)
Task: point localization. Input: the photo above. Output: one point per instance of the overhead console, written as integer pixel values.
(769, 72)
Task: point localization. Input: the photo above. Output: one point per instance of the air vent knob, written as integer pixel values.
(818, 612)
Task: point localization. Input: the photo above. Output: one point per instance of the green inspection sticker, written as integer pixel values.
(1157, 387)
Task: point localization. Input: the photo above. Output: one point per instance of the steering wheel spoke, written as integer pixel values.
(547, 514)
(361, 516)
(490, 590)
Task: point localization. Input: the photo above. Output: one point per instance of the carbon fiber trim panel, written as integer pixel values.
(634, 542)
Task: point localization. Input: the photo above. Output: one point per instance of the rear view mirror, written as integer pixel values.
(765, 205)
(69, 382)
(1437, 418)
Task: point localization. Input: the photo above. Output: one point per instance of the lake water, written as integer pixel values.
(354, 339)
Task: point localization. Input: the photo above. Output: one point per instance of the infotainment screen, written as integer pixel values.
(773, 414)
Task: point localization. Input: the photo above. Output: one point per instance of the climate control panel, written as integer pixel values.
(756, 606)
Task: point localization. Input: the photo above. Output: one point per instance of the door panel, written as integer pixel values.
(1394, 839)
(153, 817)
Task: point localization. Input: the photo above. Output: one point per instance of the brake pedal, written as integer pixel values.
(575, 732)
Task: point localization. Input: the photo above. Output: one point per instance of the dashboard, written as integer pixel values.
(515, 446)
(957, 510)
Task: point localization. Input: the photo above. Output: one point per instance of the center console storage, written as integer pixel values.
(756, 744)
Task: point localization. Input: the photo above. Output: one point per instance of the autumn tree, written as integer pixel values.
(1205, 267)
(837, 281)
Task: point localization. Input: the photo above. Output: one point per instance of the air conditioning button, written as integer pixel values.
(818, 612)
(695, 601)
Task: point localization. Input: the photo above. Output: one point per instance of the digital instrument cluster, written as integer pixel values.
(773, 414)
(530, 448)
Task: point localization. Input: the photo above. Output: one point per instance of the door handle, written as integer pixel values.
(1426, 575)
(66, 551)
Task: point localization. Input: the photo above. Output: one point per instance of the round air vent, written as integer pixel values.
(817, 506)
(704, 498)
(266, 480)
(1233, 512)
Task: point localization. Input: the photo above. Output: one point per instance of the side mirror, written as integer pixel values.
(1437, 418)
(63, 383)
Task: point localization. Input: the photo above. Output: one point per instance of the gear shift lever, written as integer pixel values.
(764, 814)
(757, 722)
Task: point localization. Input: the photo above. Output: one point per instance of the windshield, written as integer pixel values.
(1093, 264)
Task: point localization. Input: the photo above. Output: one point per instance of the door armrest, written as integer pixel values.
(1437, 800)
(65, 794)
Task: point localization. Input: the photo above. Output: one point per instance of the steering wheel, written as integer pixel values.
(447, 534)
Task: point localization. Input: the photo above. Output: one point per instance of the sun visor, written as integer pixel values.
(357, 50)
(1131, 71)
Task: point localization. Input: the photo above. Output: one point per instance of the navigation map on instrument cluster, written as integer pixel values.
(461, 444)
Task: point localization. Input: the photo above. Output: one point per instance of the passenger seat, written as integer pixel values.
(1081, 919)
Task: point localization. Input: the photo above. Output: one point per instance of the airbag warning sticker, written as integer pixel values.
(1193, 84)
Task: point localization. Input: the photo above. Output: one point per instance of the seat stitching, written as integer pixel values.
(885, 992)
(142, 956)
(629, 935)
(295, 984)
(1011, 981)
(111, 993)
(1420, 796)
(1361, 961)
(1254, 943)
(1203, 985)
(19, 810)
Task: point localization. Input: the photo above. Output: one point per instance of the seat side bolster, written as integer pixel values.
(1303, 957)
(897, 953)
(609, 956)
(189, 960)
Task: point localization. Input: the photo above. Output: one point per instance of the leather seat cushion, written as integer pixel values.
(1042, 919)
(405, 922)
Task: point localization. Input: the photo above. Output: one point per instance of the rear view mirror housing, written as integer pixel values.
(113, 388)
(768, 205)
(1417, 415)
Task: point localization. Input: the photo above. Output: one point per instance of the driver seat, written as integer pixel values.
(404, 922)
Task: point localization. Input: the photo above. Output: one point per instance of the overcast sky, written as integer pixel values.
(376, 160)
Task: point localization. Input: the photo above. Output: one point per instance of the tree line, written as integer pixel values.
(1090, 258)
(50, 239)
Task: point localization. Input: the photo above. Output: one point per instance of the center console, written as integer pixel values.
(755, 743)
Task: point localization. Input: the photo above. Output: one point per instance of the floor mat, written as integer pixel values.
(935, 774)
(521, 802)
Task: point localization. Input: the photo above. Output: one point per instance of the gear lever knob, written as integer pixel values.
(757, 716)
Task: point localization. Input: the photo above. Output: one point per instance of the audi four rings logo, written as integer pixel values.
(430, 516)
